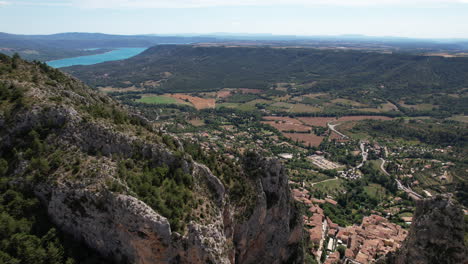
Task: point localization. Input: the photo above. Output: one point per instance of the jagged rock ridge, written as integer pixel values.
(91, 134)
(436, 234)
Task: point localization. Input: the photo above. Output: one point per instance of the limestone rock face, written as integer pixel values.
(116, 223)
(129, 231)
(273, 232)
(436, 234)
(120, 226)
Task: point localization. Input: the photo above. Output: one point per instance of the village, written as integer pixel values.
(378, 231)
(375, 237)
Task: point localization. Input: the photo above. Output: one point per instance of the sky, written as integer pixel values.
(404, 18)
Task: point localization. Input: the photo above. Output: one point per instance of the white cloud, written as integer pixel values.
(4, 3)
(217, 3)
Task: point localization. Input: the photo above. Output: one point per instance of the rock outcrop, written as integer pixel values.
(436, 235)
(272, 234)
(116, 223)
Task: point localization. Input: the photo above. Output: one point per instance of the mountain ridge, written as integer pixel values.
(133, 193)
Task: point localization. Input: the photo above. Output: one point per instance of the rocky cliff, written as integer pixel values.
(436, 234)
(92, 163)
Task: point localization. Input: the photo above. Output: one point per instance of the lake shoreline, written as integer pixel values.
(112, 55)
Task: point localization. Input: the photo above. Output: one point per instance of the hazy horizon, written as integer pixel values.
(426, 19)
(241, 34)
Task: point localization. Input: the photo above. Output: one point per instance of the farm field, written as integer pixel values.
(223, 94)
(287, 126)
(283, 119)
(359, 118)
(316, 121)
(228, 105)
(460, 118)
(306, 138)
(109, 89)
(322, 121)
(157, 100)
(347, 102)
(303, 108)
(197, 102)
(420, 107)
(196, 122)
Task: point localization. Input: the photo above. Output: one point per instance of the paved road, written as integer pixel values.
(382, 167)
(400, 186)
(332, 128)
(364, 155)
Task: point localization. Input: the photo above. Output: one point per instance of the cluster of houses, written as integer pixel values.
(375, 237)
(364, 243)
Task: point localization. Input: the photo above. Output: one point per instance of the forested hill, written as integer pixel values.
(192, 68)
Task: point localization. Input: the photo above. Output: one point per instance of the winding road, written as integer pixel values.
(332, 128)
(400, 186)
(364, 154)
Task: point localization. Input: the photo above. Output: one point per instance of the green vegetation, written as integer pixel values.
(28, 237)
(375, 191)
(466, 231)
(27, 234)
(362, 77)
(157, 100)
(167, 190)
(356, 198)
(342, 250)
(445, 134)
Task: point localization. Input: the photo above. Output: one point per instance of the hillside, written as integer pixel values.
(134, 194)
(192, 68)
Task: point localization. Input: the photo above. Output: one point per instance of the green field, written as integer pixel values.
(375, 191)
(460, 118)
(332, 187)
(157, 100)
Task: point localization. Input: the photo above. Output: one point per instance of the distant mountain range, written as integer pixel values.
(63, 45)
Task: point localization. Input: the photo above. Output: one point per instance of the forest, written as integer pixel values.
(194, 69)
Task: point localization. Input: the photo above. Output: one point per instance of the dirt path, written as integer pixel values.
(312, 184)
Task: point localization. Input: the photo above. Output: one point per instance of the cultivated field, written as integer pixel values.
(223, 94)
(316, 121)
(157, 100)
(283, 119)
(305, 138)
(109, 89)
(249, 91)
(196, 122)
(322, 121)
(303, 108)
(460, 118)
(359, 118)
(287, 126)
(198, 102)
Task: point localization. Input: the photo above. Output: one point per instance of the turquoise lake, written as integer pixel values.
(117, 54)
